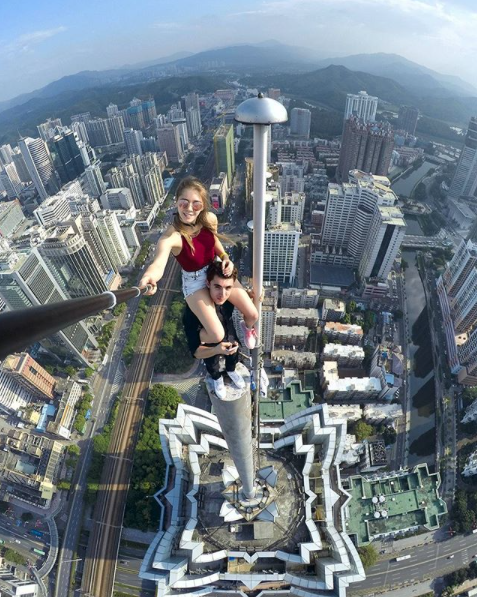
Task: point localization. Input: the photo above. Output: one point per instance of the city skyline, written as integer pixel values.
(44, 43)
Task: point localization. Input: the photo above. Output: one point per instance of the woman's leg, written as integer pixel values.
(203, 308)
(240, 299)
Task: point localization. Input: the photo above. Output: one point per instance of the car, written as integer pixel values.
(450, 557)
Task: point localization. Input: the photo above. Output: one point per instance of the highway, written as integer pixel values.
(427, 561)
(103, 545)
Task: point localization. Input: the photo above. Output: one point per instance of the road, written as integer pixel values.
(427, 561)
(103, 545)
(109, 375)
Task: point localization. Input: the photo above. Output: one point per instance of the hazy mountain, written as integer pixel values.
(413, 76)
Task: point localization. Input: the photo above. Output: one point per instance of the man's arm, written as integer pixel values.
(223, 348)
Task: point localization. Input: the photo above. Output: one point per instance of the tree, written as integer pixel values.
(420, 193)
(389, 436)
(74, 450)
(88, 372)
(13, 556)
(70, 370)
(398, 314)
(27, 516)
(80, 422)
(368, 555)
(347, 318)
(351, 307)
(362, 430)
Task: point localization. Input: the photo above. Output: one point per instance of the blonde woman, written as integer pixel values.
(192, 239)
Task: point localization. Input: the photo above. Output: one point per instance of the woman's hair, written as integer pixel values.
(190, 182)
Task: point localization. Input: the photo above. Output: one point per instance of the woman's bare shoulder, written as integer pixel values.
(212, 219)
(170, 236)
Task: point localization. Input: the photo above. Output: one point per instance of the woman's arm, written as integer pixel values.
(155, 271)
(227, 265)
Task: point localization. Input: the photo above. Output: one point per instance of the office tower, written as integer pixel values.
(219, 191)
(407, 119)
(118, 198)
(464, 304)
(98, 132)
(224, 151)
(30, 375)
(149, 145)
(39, 165)
(112, 110)
(116, 129)
(169, 141)
(194, 125)
(292, 177)
(53, 210)
(383, 242)
(300, 122)
(87, 153)
(133, 181)
(6, 154)
(11, 216)
(191, 100)
(27, 281)
(10, 180)
(95, 180)
(48, 129)
(79, 128)
(460, 266)
(366, 147)
(66, 156)
(281, 253)
(113, 239)
(464, 182)
(132, 141)
(362, 106)
(299, 298)
(20, 166)
(75, 264)
(274, 93)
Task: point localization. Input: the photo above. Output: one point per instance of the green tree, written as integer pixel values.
(74, 450)
(27, 516)
(362, 430)
(368, 555)
(64, 484)
(347, 318)
(389, 436)
(70, 370)
(88, 372)
(79, 423)
(351, 307)
(13, 556)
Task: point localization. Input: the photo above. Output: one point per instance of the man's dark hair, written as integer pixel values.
(215, 269)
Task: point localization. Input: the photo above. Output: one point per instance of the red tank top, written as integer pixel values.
(203, 253)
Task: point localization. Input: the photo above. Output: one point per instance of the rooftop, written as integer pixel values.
(394, 502)
(290, 401)
(331, 275)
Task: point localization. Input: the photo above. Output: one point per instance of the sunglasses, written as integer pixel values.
(196, 205)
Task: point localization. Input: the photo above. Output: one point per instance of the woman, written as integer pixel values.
(192, 239)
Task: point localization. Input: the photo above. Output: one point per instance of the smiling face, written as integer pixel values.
(220, 289)
(189, 205)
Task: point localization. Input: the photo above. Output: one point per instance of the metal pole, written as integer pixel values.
(22, 327)
(260, 136)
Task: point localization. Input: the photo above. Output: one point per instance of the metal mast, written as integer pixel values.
(261, 112)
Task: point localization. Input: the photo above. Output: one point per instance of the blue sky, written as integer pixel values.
(43, 40)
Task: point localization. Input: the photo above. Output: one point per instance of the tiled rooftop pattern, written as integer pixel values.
(411, 500)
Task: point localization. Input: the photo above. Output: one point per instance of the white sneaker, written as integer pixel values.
(237, 379)
(219, 388)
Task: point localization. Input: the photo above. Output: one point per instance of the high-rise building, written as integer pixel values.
(112, 110)
(53, 210)
(10, 180)
(281, 253)
(219, 191)
(39, 165)
(11, 216)
(116, 128)
(13, 396)
(20, 166)
(26, 281)
(194, 125)
(366, 147)
(464, 304)
(407, 119)
(6, 154)
(79, 128)
(95, 180)
(268, 320)
(168, 139)
(464, 182)
(300, 122)
(224, 151)
(66, 156)
(30, 375)
(299, 298)
(48, 129)
(361, 105)
(153, 186)
(132, 141)
(460, 266)
(135, 114)
(113, 238)
(98, 132)
(149, 111)
(181, 124)
(117, 198)
(274, 93)
(292, 177)
(73, 260)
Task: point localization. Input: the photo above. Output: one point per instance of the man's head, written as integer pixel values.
(220, 286)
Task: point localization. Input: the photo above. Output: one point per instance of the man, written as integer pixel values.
(220, 288)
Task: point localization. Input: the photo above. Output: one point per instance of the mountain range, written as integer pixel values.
(293, 69)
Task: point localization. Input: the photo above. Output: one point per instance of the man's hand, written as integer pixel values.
(227, 348)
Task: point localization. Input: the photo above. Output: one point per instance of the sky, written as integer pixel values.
(42, 41)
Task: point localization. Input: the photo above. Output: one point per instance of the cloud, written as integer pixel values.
(25, 42)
